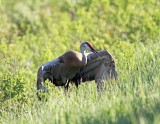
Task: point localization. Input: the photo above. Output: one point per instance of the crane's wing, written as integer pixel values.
(51, 71)
(106, 58)
(52, 67)
(97, 67)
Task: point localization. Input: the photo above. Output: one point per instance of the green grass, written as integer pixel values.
(34, 32)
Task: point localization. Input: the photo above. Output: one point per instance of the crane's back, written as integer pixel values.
(72, 59)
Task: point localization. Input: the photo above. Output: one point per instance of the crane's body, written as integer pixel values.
(64, 67)
(98, 69)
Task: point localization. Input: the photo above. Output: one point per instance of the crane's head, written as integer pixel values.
(89, 46)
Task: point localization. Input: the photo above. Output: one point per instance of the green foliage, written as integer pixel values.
(33, 32)
(12, 87)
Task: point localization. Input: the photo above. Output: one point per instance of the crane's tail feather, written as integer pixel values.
(40, 79)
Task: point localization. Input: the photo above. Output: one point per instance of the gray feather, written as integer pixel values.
(97, 67)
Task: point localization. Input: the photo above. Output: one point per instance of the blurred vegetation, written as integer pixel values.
(33, 32)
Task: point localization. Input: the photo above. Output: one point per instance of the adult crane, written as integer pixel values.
(64, 67)
(98, 69)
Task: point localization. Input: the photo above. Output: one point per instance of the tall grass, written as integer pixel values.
(133, 98)
(34, 32)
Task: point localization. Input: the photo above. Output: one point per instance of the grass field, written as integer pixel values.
(34, 32)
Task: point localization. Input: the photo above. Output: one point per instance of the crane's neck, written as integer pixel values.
(84, 56)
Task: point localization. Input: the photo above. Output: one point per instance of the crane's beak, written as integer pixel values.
(93, 50)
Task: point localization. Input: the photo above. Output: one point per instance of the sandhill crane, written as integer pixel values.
(64, 67)
(98, 69)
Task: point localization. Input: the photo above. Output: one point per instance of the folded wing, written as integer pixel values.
(97, 68)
